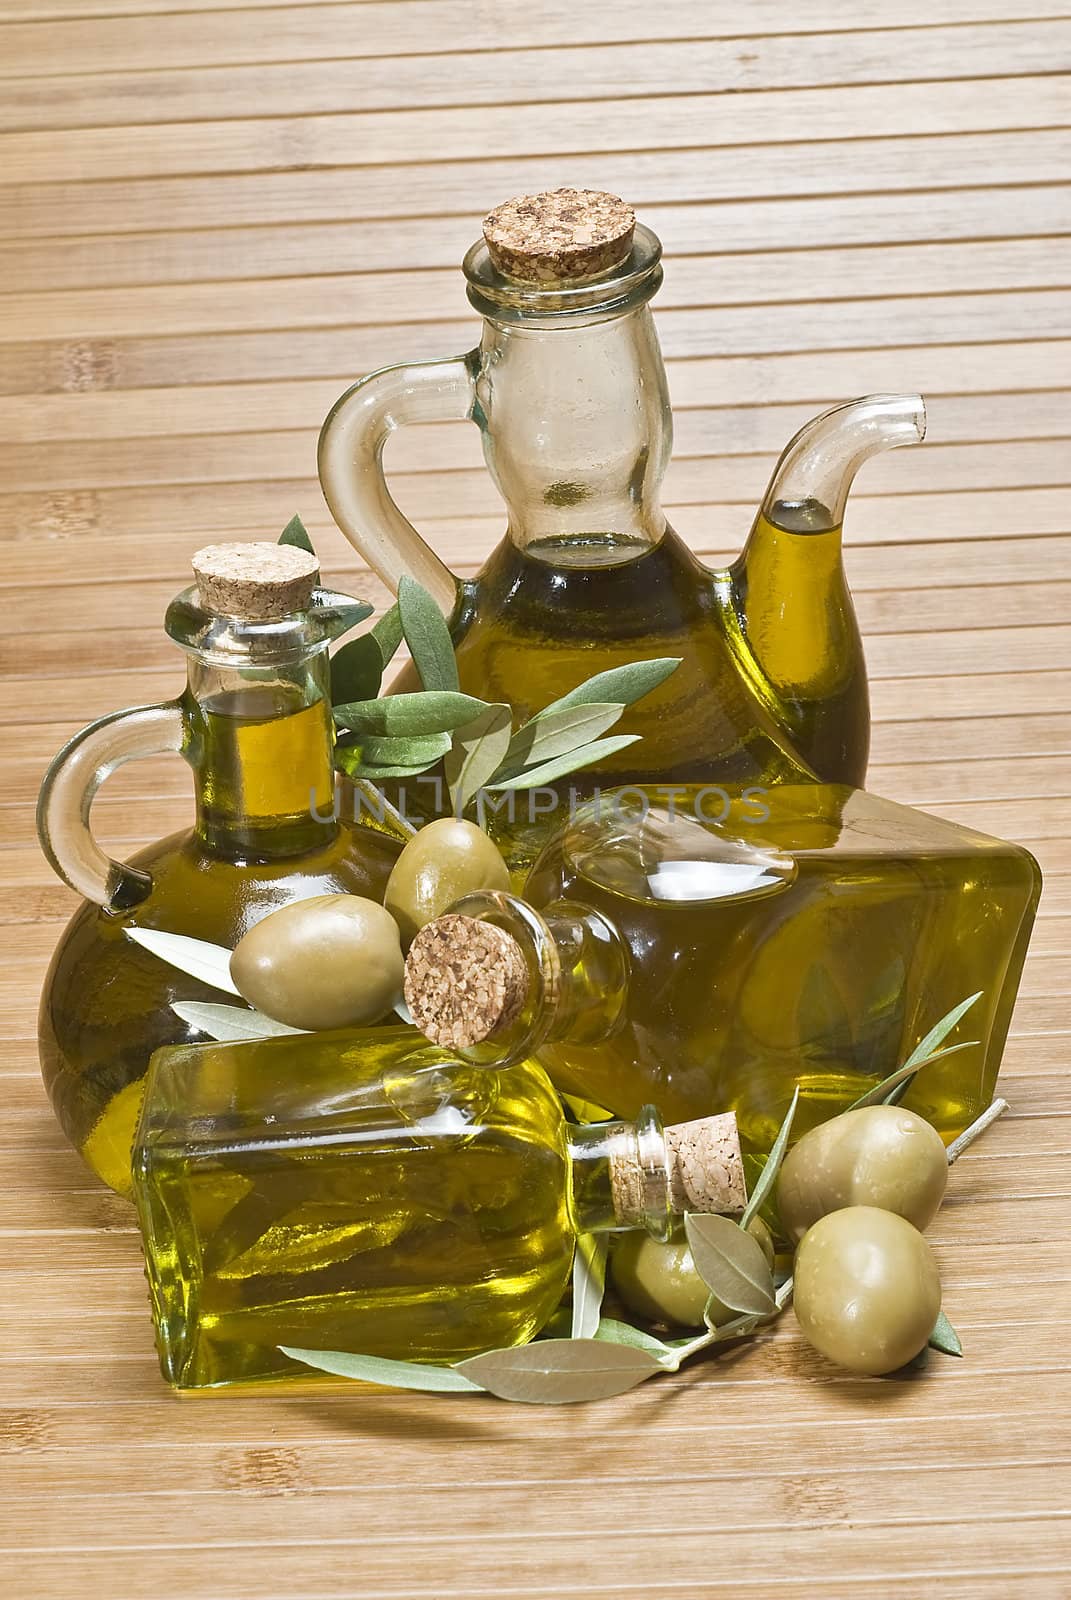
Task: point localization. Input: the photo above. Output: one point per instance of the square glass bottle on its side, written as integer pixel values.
(812, 934)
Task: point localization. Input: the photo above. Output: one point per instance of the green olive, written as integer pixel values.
(658, 1279)
(866, 1290)
(332, 961)
(877, 1156)
(445, 860)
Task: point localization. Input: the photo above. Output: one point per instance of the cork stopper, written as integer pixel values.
(705, 1173)
(255, 582)
(560, 235)
(464, 980)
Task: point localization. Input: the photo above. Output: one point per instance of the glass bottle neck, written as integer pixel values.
(577, 976)
(620, 1176)
(260, 745)
(577, 434)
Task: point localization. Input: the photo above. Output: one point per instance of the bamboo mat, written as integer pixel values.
(214, 217)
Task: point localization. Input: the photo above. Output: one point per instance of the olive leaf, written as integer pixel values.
(227, 1023)
(378, 1369)
(614, 1332)
(348, 759)
(944, 1337)
(433, 711)
(560, 1371)
(388, 749)
(589, 1281)
(211, 963)
(626, 684)
(427, 636)
(563, 765)
(476, 753)
(295, 533)
(357, 668)
(731, 1263)
(543, 738)
(768, 1175)
(925, 1051)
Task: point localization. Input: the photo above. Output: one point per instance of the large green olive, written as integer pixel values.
(658, 1279)
(332, 961)
(866, 1290)
(877, 1156)
(445, 860)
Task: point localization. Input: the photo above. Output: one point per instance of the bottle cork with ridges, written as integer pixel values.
(255, 582)
(559, 236)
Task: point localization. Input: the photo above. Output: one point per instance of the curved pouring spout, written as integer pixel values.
(795, 631)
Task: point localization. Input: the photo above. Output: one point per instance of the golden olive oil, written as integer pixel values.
(794, 632)
(540, 620)
(825, 976)
(356, 1191)
(259, 761)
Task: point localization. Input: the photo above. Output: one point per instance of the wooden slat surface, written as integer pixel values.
(215, 214)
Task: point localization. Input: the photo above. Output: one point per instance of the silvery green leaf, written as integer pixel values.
(477, 752)
(427, 636)
(388, 749)
(589, 1281)
(348, 759)
(898, 1082)
(229, 1022)
(296, 533)
(613, 1332)
(555, 735)
(560, 1371)
(768, 1175)
(377, 1369)
(926, 1050)
(944, 1337)
(433, 711)
(584, 757)
(627, 684)
(211, 963)
(731, 1263)
(356, 670)
(387, 632)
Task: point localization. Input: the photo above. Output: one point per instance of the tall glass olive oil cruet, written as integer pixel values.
(254, 724)
(568, 389)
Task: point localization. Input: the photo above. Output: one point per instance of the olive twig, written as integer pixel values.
(979, 1125)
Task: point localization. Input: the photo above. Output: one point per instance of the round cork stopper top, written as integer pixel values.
(255, 582)
(464, 980)
(706, 1167)
(559, 235)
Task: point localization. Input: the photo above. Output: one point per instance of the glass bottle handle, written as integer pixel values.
(351, 464)
(72, 781)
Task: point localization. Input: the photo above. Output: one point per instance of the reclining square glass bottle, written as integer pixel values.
(662, 956)
(367, 1191)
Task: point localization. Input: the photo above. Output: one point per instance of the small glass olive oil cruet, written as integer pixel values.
(254, 724)
(568, 389)
(367, 1191)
